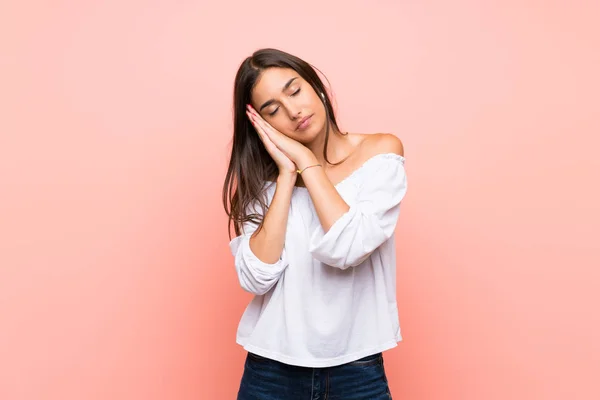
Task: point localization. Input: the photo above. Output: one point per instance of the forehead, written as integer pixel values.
(271, 82)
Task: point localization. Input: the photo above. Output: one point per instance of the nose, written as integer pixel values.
(294, 112)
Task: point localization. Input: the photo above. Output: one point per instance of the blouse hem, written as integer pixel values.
(319, 363)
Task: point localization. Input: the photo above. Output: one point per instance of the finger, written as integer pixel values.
(268, 128)
(264, 126)
(259, 130)
(260, 133)
(249, 107)
(269, 145)
(253, 112)
(250, 116)
(270, 133)
(252, 119)
(257, 117)
(261, 126)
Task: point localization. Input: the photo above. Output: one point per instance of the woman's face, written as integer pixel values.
(289, 104)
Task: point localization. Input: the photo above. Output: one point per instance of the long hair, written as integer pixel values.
(250, 165)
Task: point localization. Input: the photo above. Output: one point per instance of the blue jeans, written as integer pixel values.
(265, 379)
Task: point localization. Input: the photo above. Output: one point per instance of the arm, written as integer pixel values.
(268, 243)
(260, 257)
(329, 205)
(350, 233)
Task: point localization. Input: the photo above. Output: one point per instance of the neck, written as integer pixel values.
(337, 149)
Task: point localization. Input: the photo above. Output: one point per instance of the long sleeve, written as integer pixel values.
(255, 276)
(371, 219)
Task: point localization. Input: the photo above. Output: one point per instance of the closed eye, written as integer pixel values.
(275, 111)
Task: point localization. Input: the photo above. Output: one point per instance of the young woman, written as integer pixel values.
(314, 210)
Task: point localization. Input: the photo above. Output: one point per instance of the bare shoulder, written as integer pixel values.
(379, 143)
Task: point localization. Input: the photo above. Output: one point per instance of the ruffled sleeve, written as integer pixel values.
(371, 219)
(254, 275)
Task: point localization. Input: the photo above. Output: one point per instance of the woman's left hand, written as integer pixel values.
(301, 155)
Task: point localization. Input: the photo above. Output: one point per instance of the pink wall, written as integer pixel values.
(115, 276)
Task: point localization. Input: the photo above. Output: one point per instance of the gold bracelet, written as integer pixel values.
(310, 166)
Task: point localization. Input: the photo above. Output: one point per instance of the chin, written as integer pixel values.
(313, 132)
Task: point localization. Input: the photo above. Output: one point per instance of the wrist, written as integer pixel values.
(287, 178)
(307, 161)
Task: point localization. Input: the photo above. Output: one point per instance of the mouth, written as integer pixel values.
(304, 123)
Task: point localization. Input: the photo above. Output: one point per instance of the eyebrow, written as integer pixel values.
(269, 102)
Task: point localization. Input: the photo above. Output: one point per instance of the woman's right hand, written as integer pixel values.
(285, 165)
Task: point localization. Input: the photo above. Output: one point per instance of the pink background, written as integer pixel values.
(116, 280)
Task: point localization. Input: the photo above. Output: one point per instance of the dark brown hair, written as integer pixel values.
(250, 166)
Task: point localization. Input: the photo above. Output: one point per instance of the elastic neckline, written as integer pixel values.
(362, 166)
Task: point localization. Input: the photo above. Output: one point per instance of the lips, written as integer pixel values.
(304, 123)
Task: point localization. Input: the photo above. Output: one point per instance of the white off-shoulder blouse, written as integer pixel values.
(331, 297)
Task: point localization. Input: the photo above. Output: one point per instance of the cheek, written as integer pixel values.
(319, 110)
(313, 101)
(280, 123)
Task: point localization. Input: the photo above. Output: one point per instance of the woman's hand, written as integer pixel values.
(300, 155)
(284, 163)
